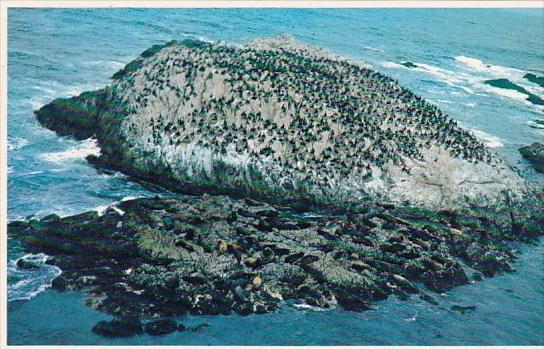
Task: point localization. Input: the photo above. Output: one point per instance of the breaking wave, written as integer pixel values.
(473, 77)
(391, 65)
(110, 64)
(488, 139)
(373, 49)
(80, 151)
(26, 283)
(479, 66)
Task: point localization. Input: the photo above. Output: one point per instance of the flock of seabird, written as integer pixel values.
(309, 113)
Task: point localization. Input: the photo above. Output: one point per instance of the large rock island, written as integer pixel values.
(312, 179)
(279, 118)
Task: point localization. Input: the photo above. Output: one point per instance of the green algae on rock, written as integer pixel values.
(282, 119)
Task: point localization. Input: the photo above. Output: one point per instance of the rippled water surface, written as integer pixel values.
(58, 53)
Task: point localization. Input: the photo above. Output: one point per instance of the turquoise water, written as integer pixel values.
(58, 53)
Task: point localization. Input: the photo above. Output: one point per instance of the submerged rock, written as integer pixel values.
(119, 327)
(539, 80)
(27, 264)
(535, 154)
(509, 85)
(463, 309)
(59, 283)
(199, 328)
(409, 65)
(161, 327)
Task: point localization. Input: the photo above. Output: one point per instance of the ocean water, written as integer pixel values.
(59, 52)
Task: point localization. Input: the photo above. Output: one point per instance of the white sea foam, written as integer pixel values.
(116, 65)
(44, 89)
(72, 91)
(37, 102)
(535, 124)
(472, 76)
(449, 77)
(467, 90)
(198, 37)
(31, 173)
(445, 101)
(44, 96)
(534, 89)
(101, 209)
(489, 140)
(80, 151)
(370, 48)
(54, 89)
(118, 210)
(488, 71)
(111, 64)
(471, 62)
(507, 93)
(460, 80)
(391, 65)
(307, 307)
(16, 143)
(531, 86)
(436, 91)
(24, 284)
(497, 70)
(76, 90)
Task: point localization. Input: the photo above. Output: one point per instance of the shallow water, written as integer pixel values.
(59, 53)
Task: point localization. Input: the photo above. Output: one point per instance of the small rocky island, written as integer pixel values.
(535, 154)
(299, 177)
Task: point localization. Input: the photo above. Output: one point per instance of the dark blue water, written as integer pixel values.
(59, 53)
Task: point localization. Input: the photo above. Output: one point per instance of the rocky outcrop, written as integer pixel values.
(535, 154)
(279, 119)
(152, 259)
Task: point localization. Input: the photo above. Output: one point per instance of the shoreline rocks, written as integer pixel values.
(169, 256)
(28, 265)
